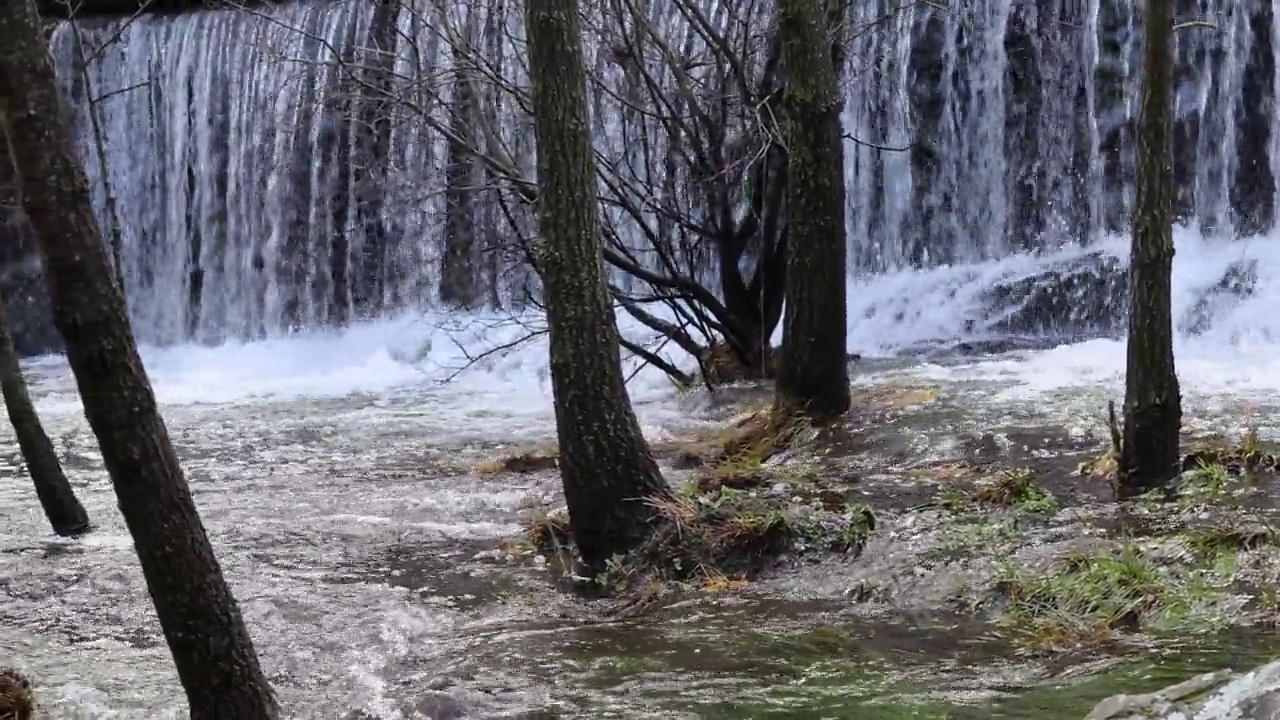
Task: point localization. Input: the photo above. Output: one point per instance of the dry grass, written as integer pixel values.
(17, 699)
(533, 459)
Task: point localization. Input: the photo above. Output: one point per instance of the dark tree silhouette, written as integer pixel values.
(57, 498)
(814, 374)
(1152, 402)
(606, 466)
(215, 659)
(61, 507)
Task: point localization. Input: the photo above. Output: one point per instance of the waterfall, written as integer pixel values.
(237, 151)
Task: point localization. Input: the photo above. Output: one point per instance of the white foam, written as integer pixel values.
(1237, 354)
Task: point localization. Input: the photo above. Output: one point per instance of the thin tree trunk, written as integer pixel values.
(373, 148)
(605, 463)
(459, 276)
(814, 375)
(215, 659)
(61, 507)
(1152, 402)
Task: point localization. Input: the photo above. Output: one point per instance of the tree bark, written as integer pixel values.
(61, 507)
(215, 659)
(459, 281)
(605, 463)
(814, 375)
(1152, 403)
(373, 148)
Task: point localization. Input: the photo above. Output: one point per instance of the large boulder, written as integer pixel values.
(1252, 696)
(1076, 299)
(1088, 297)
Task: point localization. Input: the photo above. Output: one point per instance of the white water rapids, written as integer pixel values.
(332, 470)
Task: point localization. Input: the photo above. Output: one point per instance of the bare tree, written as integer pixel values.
(215, 658)
(1152, 403)
(608, 472)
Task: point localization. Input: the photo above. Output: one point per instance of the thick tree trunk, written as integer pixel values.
(606, 466)
(64, 511)
(1152, 403)
(814, 375)
(215, 659)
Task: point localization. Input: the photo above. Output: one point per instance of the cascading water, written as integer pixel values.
(238, 170)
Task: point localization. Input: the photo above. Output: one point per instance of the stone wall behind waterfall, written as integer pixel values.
(993, 127)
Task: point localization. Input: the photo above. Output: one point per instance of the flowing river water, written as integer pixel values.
(335, 475)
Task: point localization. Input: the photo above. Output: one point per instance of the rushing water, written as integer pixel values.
(244, 197)
(333, 472)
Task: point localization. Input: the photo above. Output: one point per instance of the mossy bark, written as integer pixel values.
(61, 507)
(814, 373)
(605, 463)
(215, 659)
(1152, 403)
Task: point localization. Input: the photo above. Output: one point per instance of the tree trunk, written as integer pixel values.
(215, 659)
(1152, 403)
(459, 281)
(373, 148)
(605, 463)
(64, 511)
(814, 375)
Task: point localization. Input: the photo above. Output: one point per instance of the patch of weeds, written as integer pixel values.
(860, 523)
(718, 530)
(618, 575)
(548, 532)
(952, 499)
(1204, 482)
(1251, 457)
(1214, 541)
(963, 539)
(1013, 488)
(1087, 599)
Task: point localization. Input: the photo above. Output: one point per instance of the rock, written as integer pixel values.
(439, 706)
(1237, 284)
(1252, 696)
(1074, 299)
(1087, 297)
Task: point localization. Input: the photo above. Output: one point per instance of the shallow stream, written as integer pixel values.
(367, 558)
